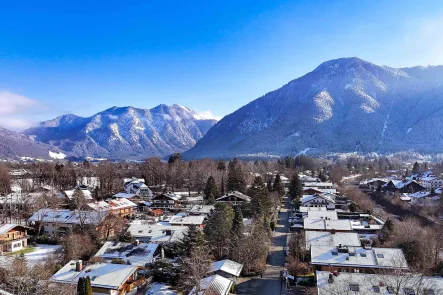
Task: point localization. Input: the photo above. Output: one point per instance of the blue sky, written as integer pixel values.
(82, 57)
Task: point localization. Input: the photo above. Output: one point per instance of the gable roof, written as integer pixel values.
(103, 275)
(213, 285)
(4, 228)
(227, 266)
(86, 193)
(67, 216)
(237, 194)
(326, 196)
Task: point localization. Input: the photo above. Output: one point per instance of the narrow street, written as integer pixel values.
(271, 284)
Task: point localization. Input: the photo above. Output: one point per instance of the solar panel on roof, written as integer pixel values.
(354, 287)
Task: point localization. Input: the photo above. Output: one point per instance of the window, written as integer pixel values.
(390, 289)
(335, 253)
(379, 255)
(354, 287)
(376, 289)
(409, 291)
(363, 254)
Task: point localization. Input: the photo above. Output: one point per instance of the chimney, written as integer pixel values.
(331, 278)
(79, 266)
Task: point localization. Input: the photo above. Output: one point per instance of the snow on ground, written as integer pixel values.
(59, 156)
(160, 289)
(41, 253)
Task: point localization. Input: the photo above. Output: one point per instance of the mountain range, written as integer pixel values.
(13, 145)
(124, 132)
(344, 105)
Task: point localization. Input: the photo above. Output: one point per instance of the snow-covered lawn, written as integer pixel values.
(41, 253)
(160, 289)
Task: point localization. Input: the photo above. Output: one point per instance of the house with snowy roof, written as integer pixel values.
(156, 233)
(357, 259)
(410, 186)
(137, 254)
(137, 187)
(226, 268)
(323, 238)
(204, 210)
(57, 222)
(120, 207)
(167, 201)
(213, 285)
(234, 198)
(370, 284)
(319, 200)
(106, 278)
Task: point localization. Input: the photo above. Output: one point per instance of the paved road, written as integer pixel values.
(270, 284)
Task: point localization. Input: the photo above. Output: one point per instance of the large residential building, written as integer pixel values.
(370, 284)
(56, 222)
(319, 200)
(357, 259)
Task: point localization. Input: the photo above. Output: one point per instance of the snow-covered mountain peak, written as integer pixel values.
(122, 132)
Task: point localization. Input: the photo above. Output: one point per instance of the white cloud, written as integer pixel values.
(16, 110)
(209, 115)
(11, 103)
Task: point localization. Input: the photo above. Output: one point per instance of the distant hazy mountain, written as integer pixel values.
(13, 145)
(125, 133)
(344, 105)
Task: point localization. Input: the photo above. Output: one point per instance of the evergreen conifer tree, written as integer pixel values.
(236, 178)
(295, 187)
(81, 286)
(88, 286)
(211, 189)
(278, 186)
(218, 229)
(416, 168)
(260, 198)
(269, 185)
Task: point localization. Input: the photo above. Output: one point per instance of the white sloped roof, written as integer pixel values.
(227, 266)
(213, 285)
(103, 275)
(138, 255)
(321, 238)
(67, 216)
(86, 194)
